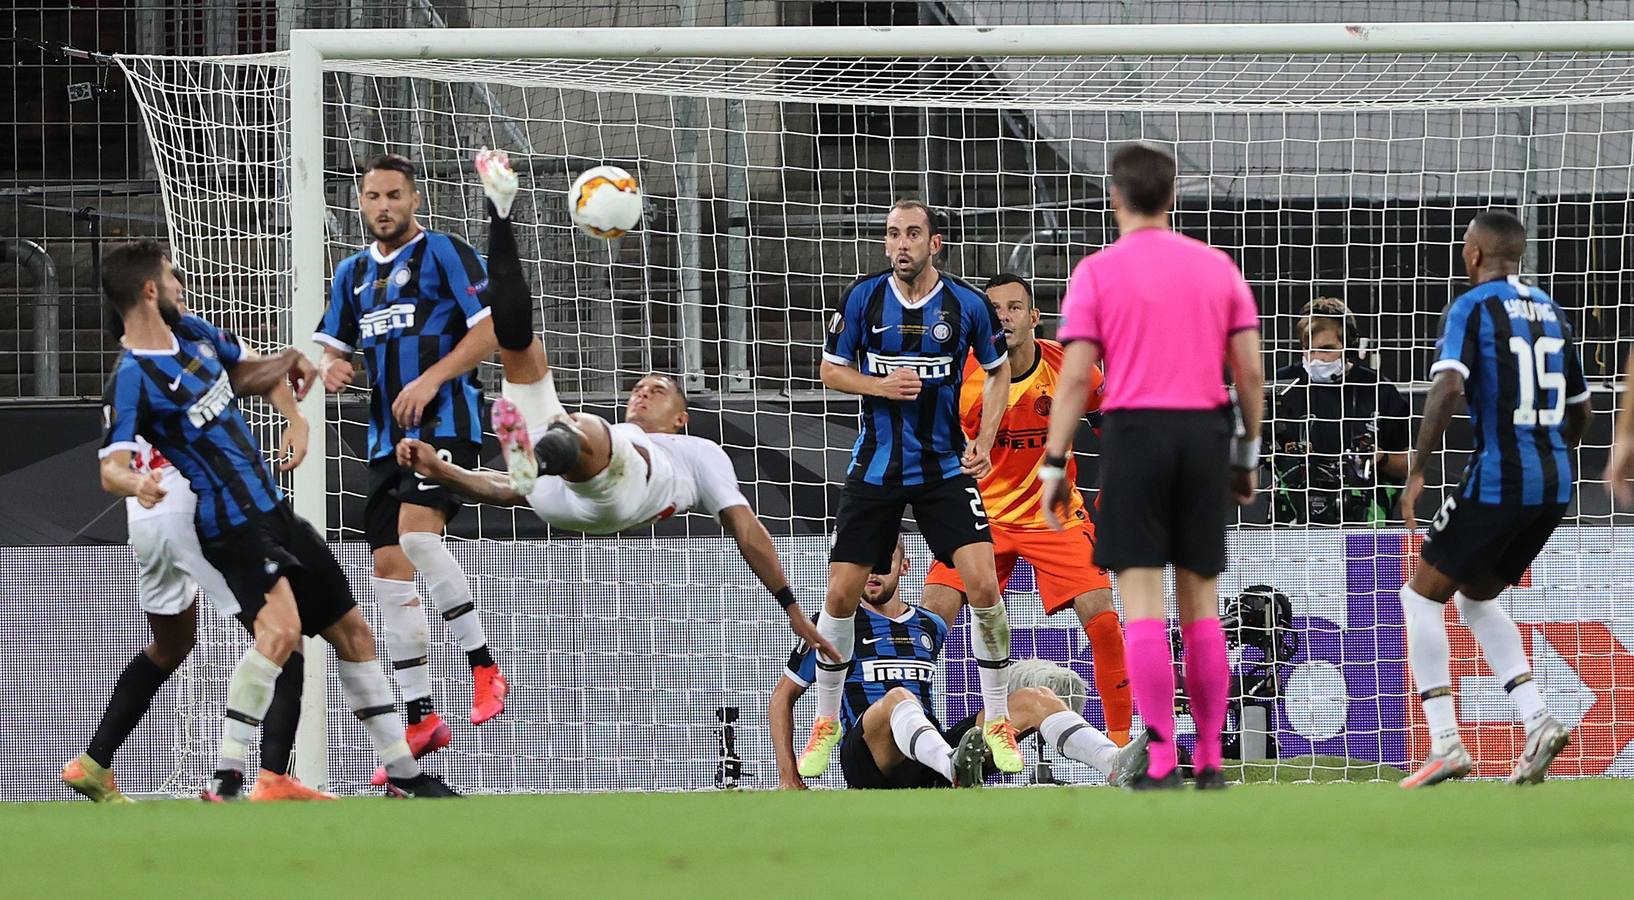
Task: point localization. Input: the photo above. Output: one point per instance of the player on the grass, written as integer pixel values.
(1060, 559)
(172, 569)
(175, 384)
(414, 303)
(1506, 346)
(892, 739)
(1168, 314)
(899, 339)
(599, 478)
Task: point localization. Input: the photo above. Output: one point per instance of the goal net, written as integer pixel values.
(645, 661)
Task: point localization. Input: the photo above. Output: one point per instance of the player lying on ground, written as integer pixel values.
(175, 384)
(412, 303)
(891, 741)
(1506, 346)
(599, 478)
(899, 340)
(1011, 492)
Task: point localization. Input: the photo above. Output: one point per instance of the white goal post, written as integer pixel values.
(1396, 129)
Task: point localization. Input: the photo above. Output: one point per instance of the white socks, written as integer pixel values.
(249, 694)
(919, 740)
(1075, 738)
(369, 695)
(1501, 642)
(1430, 656)
(842, 633)
(990, 644)
(537, 402)
(447, 586)
(404, 619)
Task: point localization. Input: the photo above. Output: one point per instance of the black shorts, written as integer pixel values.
(862, 773)
(1471, 542)
(949, 512)
(280, 544)
(1165, 484)
(390, 487)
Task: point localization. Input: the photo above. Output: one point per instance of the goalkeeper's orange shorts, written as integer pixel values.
(1063, 563)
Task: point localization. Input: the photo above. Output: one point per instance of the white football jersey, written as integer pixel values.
(686, 473)
(179, 496)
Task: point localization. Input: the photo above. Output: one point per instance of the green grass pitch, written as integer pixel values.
(1479, 840)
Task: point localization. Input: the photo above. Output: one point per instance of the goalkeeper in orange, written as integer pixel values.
(1061, 560)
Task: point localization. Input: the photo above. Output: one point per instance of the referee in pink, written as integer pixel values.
(1167, 314)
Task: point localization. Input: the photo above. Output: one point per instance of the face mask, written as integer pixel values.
(1325, 372)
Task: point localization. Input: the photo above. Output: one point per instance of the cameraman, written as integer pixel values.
(1338, 434)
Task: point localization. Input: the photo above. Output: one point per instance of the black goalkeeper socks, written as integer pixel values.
(132, 694)
(507, 291)
(278, 726)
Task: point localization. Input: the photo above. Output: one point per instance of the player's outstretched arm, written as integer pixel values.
(493, 488)
(258, 375)
(780, 718)
(755, 544)
(119, 479)
(1439, 407)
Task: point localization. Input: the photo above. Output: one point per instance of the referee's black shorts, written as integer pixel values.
(280, 544)
(1165, 483)
(949, 512)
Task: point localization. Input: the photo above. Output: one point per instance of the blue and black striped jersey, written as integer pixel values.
(887, 653)
(181, 400)
(406, 310)
(1514, 348)
(919, 441)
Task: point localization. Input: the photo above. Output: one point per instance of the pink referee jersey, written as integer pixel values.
(1162, 307)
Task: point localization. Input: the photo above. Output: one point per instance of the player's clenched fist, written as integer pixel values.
(902, 384)
(337, 373)
(418, 457)
(149, 493)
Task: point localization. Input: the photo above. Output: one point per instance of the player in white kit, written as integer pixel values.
(597, 478)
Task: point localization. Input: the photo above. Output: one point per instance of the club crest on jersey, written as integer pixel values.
(924, 641)
(941, 332)
(205, 350)
(385, 321)
(836, 325)
(400, 277)
(212, 403)
(1043, 405)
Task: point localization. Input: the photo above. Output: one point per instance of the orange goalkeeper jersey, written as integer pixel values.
(1011, 491)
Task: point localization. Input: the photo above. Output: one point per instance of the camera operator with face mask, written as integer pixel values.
(1339, 433)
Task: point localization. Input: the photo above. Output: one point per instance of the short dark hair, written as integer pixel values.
(390, 162)
(1144, 177)
(127, 267)
(1004, 278)
(932, 215)
(1508, 233)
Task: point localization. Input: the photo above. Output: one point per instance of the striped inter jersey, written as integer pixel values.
(1514, 348)
(181, 400)
(911, 442)
(888, 653)
(1011, 491)
(406, 310)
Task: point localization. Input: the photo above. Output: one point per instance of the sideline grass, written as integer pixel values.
(1261, 840)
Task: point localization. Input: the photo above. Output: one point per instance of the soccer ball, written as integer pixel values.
(605, 202)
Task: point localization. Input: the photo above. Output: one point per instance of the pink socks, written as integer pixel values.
(1151, 680)
(1208, 680)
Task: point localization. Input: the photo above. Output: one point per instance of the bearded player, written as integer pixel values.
(1011, 492)
(598, 478)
